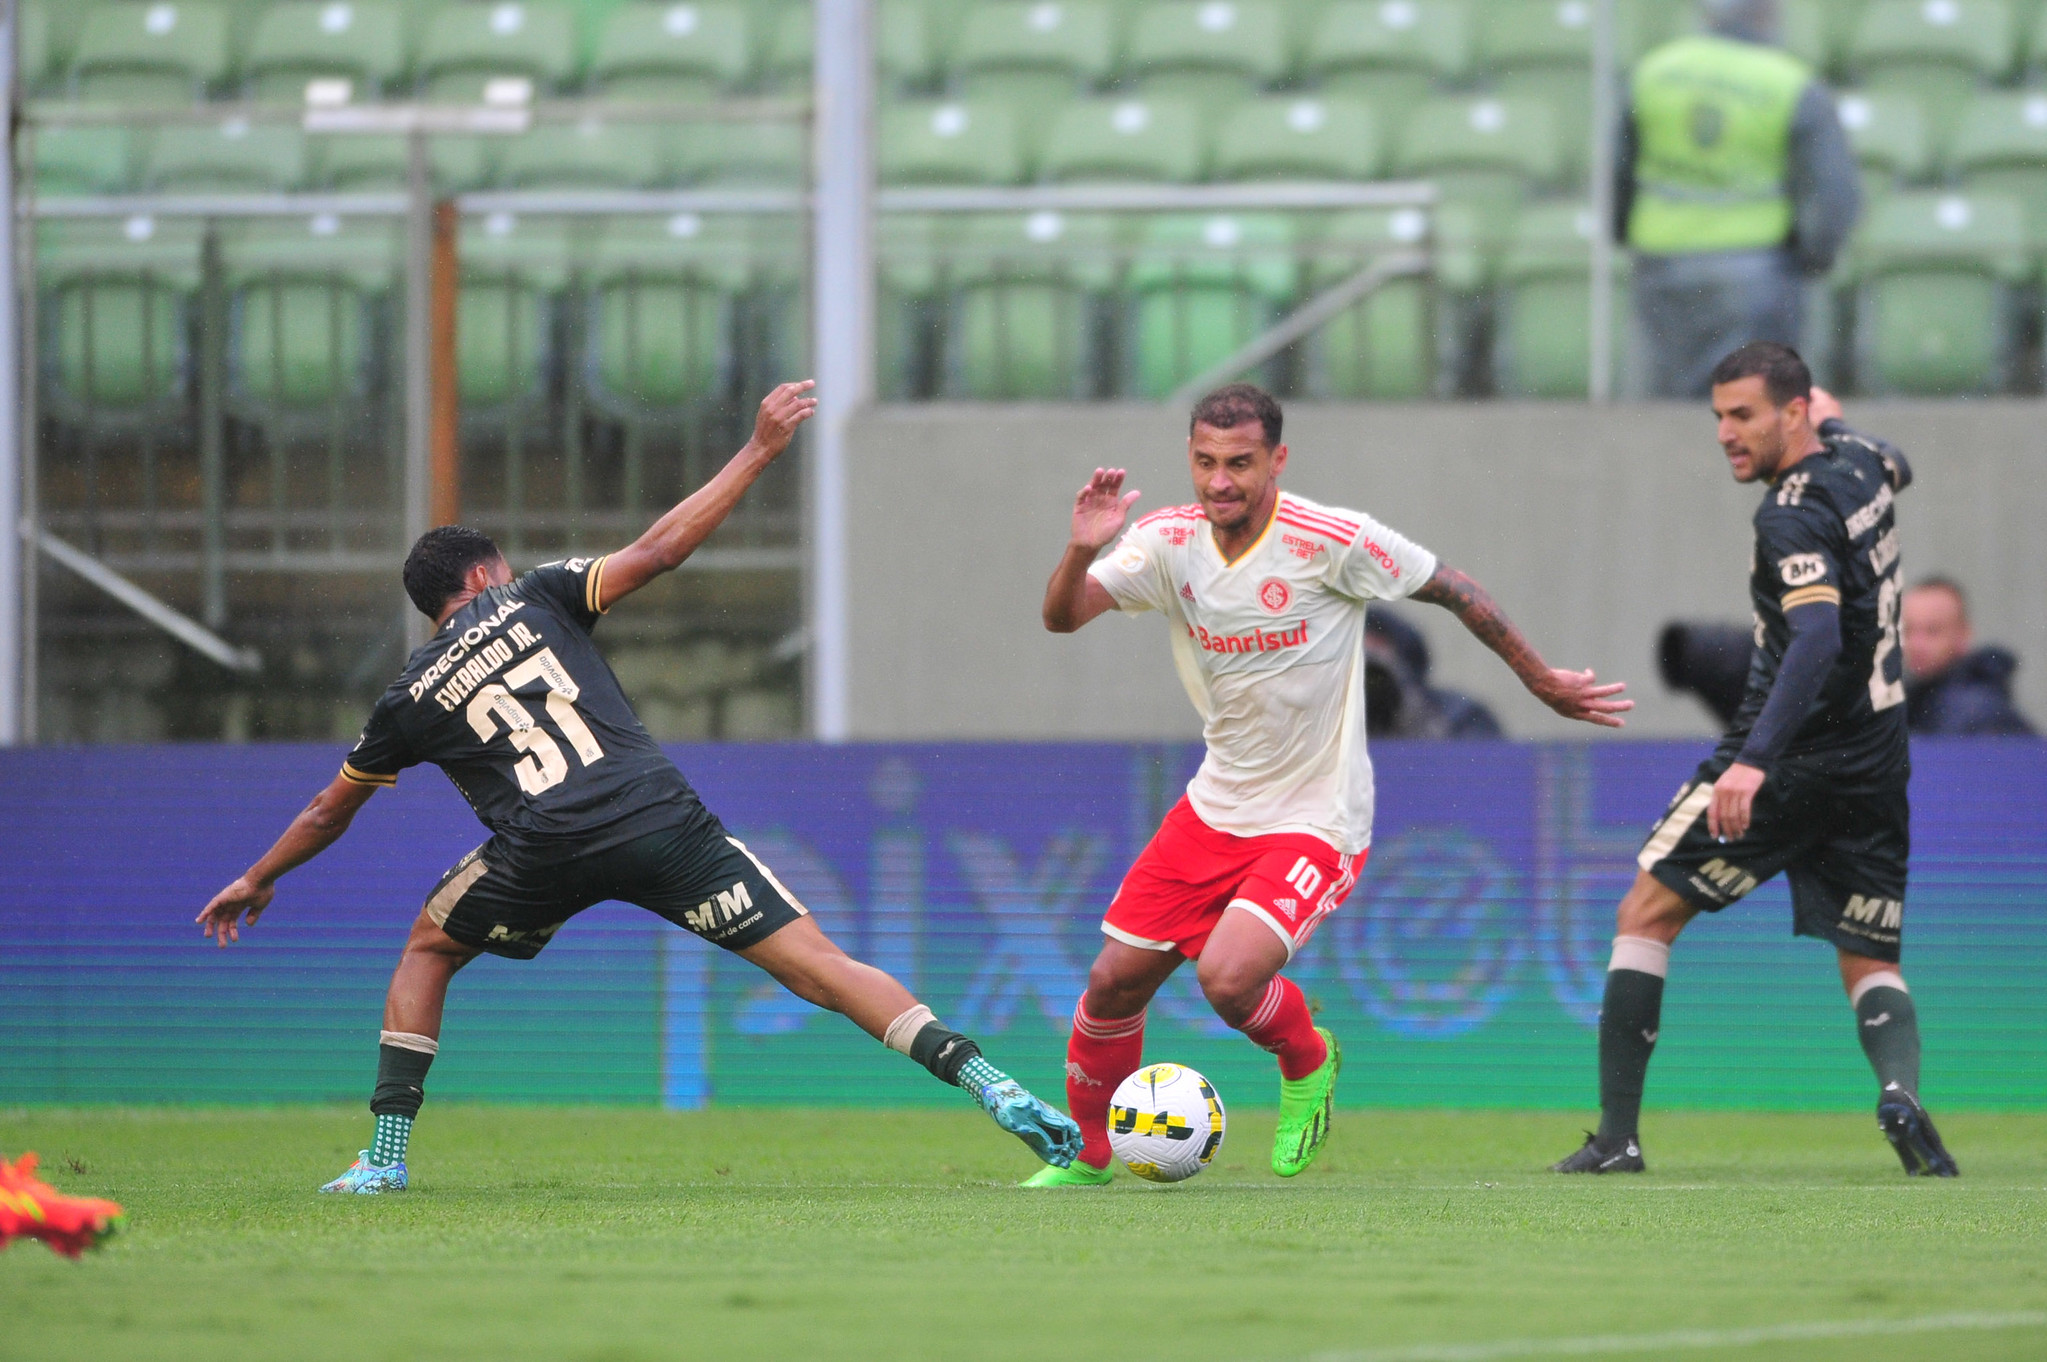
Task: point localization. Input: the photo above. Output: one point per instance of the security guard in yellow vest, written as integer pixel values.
(1735, 187)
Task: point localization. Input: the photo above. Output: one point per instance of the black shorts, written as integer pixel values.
(1844, 853)
(698, 877)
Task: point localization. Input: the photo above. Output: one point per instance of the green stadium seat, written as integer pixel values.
(1124, 139)
(296, 41)
(1889, 136)
(117, 296)
(659, 330)
(1025, 290)
(300, 324)
(1542, 334)
(36, 57)
(1541, 50)
(1206, 50)
(1937, 276)
(159, 52)
(1938, 50)
(591, 154)
(230, 157)
(1384, 346)
(671, 52)
(374, 162)
(907, 268)
(513, 270)
(1298, 137)
(761, 155)
(1486, 152)
(2000, 147)
(1390, 53)
(1199, 288)
(465, 46)
(903, 41)
(82, 160)
(1033, 52)
(949, 142)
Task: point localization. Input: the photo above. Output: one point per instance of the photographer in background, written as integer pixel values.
(1399, 701)
(1953, 689)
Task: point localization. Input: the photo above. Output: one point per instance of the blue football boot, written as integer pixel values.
(366, 1179)
(1050, 1133)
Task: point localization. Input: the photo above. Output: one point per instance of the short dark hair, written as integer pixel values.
(1783, 372)
(1234, 405)
(1947, 584)
(440, 560)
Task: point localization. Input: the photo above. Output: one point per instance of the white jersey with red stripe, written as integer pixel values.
(1271, 650)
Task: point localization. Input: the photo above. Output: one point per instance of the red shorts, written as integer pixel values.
(1189, 873)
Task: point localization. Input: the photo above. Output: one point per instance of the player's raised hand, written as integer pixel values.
(1576, 695)
(1101, 508)
(782, 410)
(1823, 406)
(220, 919)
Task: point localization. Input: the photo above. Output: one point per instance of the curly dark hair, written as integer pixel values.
(1235, 405)
(1783, 372)
(440, 560)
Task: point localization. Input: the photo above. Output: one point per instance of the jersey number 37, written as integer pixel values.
(543, 767)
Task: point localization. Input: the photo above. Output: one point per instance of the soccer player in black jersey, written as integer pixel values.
(1810, 779)
(513, 701)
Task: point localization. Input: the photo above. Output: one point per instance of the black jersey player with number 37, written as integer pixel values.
(1810, 779)
(513, 701)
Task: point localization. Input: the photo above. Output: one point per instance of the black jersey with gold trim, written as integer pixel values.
(512, 699)
(1827, 532)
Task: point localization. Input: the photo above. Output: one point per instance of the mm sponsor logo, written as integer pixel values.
(712, 912)
(1730, 880)
(1799, 569)
(1257, 641)
(1885, 914)
(1274, 596)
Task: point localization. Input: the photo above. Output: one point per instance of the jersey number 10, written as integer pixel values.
(543, 767)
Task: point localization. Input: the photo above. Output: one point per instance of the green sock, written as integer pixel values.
(1888, 1027)
(393, 1133)
(1629, 1018)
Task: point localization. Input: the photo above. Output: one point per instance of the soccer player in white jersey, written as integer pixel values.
(1264, 593)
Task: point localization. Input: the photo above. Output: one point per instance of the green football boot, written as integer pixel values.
(1075, 1174)
(1304, 1105)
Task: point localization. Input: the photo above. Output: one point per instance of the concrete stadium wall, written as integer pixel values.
(1592, 527)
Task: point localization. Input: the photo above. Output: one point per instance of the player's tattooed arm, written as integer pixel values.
(1072, 597)
(1575, 695)
(318, 826)
(678, 534)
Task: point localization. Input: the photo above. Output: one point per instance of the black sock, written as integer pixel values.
(1629, 1018)
(943, 1051)
(1888, 1027)
(401, 1081)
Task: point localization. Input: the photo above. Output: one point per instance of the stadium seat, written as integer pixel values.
(1206, 50)
(159, 52)
(1888, 133)
(467, 45)
(1542, 334)
(1938, 50)
(373, 162)
(32, 36)
(949, 142)
(658, 334)
(1124, 139)
(1541, 50)
(1020, 322)
(1382, 347)
(907, 272)
(671, 52)
(904, 50)
(1033, 52)
(82, 160)
(117, 296)
(763, 155)
(230, 157)
(1487, 152)
(1936, 281)
(1199, 288)
(513, 270)
(1294, 137)
(300, 327)
(2000, 147)
(297, 41)
(591, 154)
(1390, 53)
(1807, 29)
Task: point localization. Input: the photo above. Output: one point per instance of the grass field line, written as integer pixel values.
(1596, 1344)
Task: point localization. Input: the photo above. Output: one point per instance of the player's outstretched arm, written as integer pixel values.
(318, 826)
(1072, 598)
(1571, 694)
(677, 535)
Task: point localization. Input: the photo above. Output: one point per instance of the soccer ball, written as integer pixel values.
(1165, 1122)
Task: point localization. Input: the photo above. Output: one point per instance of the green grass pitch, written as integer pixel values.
(601, 1235)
